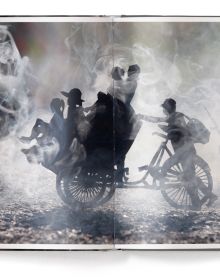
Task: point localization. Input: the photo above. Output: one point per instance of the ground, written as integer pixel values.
(132, 216)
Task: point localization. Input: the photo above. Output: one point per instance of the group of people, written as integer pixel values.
(96, 127)
(107, 129)
(57, 136)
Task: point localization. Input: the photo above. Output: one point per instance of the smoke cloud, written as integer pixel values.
(178, 60)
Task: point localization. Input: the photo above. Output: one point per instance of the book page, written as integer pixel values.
(56, 171)
(168, 198)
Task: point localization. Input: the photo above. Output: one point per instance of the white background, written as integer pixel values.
(110, 265)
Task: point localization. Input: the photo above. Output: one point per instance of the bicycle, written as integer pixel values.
(88, 187)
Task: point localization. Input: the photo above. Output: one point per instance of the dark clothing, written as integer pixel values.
(99, 143)
(75, 117)
(112, 133)
(126, 128)
(70, 125)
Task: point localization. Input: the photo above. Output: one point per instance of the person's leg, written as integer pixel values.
(39, 127)
(208, 193)
(184, 156)
(190, 181)
(32, 154)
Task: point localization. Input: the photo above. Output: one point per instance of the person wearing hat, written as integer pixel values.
(175, 126)
(184, 150)
(75, 122)
(74, 99)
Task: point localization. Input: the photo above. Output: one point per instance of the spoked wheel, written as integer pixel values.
(109, 190)
(187, 195)
(83, 189)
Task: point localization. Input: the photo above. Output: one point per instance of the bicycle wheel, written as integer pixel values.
(84, 190)
(176, 190)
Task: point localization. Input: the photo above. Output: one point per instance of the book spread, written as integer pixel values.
(109, 134)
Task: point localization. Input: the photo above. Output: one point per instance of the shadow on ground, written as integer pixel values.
(59, 225)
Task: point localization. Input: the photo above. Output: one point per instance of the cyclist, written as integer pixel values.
(184, 150)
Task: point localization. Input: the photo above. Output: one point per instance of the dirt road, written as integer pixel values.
(140, 216)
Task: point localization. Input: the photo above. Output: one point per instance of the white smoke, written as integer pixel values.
(177, 60)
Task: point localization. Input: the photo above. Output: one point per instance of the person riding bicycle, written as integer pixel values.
(183, 146)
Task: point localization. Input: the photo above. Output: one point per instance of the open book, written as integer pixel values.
(109, 133)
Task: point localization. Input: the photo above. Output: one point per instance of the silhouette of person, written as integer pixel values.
(103, 101)
(126, 125)
(48, 136)
(183, 145)
(99, 141)
(42, 130)
(75, 121)
(124, 86)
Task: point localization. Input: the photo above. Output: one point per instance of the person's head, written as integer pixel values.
(101, 96)
(169, 106)
(74, 97)
(133, 71)
(57, 105)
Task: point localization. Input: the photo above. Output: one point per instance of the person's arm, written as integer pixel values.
(151, 119)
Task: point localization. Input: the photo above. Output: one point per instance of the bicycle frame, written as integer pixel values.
(153, 167)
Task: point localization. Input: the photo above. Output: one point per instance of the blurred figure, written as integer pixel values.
(124, 84)
(15, 86)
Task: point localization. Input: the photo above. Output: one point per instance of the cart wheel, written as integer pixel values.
(177, 192)
(81, 191)
(109, 190)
